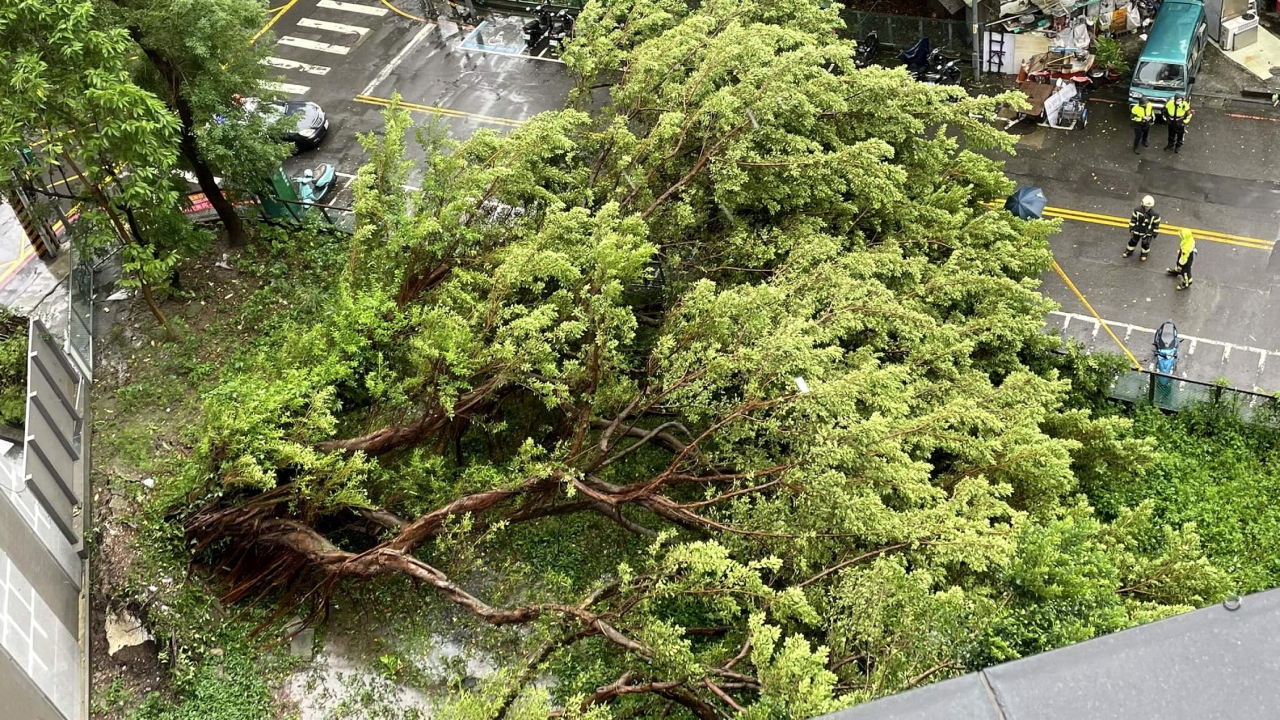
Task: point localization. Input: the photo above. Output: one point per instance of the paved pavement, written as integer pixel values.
(1223, 185)
(350, 57)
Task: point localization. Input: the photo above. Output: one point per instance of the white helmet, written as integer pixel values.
(1148, 202)
(309, 175)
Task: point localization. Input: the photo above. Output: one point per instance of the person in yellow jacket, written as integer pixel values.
(1186, 256)
(1141, 116)
(1177, 113)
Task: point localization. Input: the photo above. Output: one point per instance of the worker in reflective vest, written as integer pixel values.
(1186, 256)
(1177, 113)
(1143, 226)
(1141, 116)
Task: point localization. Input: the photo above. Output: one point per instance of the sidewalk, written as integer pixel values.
(28, 285)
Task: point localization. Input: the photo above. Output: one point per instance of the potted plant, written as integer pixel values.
(1108, 60)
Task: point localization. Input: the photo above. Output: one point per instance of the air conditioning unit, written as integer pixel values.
(1240, 32)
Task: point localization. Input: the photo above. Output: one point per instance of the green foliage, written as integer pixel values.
(65, 69)
(198, 56)
(13, 372)
(746, 346)
(1075, 578)
(1219, 472)
(1109, 54)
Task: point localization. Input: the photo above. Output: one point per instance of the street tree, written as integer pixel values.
(68, 90)
(199, 55)
(750, 333)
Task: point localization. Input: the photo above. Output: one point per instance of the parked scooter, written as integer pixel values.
(1166, 345)
(561, 29)
(867, 52)
(313, 186)
(940, 70)
(537, 27)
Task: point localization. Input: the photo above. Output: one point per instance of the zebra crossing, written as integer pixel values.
(319, 38)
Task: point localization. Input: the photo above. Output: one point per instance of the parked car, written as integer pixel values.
(306, 133)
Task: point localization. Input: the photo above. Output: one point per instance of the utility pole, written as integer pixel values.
(976, 28)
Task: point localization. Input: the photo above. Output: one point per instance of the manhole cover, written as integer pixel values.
(1275, 70)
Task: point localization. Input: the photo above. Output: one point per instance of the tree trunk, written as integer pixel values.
(100, 197)
(209, 185)
(190, 150)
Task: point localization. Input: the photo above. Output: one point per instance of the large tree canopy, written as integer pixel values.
(750, 331)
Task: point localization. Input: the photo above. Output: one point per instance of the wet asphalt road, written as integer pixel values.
(351, 57)
(1224, 181)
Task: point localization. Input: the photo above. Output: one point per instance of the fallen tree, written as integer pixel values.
(755, 316)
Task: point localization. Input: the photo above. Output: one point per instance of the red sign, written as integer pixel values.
(199, 203)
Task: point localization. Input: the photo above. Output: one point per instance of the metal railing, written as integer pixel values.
(900, 31)
(1169, 392)
(80, 318)
(340, 218)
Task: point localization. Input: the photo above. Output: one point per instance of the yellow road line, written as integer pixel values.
(1079, 295)
(287, 6)
(398, 11)
(1114, 221)
(415, 107)
(14, 266)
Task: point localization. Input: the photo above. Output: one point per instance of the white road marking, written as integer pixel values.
(522, 56)
(313, 45)
(395, 61)
(333, 27)
(295, 65)
(286, 88)
(1193, 340)
(352, 7)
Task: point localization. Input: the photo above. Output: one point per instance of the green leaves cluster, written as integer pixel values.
(756, 312)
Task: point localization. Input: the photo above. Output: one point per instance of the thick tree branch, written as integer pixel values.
(842, 565)
(425, 425)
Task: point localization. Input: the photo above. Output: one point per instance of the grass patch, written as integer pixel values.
(1221, 473)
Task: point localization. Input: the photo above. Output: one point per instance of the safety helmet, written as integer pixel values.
(307, 174)
(1148, 202)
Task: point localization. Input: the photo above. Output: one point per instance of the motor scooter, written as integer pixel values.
(536, 28)
(867, 52)
(941, 71)
(1166, 347)
(561, 29)
(314, 185)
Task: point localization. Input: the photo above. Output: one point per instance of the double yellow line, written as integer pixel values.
(1119, 222)
(445, 112)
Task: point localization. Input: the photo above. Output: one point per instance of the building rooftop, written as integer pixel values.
(1210, 663)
